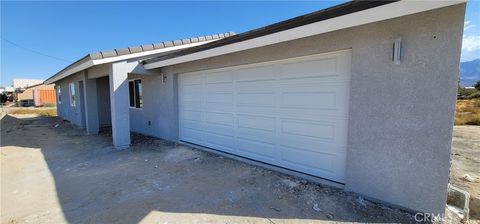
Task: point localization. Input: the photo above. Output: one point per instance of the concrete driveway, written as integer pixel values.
(59, 174)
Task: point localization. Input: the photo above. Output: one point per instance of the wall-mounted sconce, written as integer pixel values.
(397, 53)
(164, 78)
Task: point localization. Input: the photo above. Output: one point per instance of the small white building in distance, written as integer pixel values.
(24, 83)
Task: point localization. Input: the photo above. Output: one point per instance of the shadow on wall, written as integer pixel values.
(155, 181)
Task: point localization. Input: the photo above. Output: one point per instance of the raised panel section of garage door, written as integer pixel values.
(290, 113)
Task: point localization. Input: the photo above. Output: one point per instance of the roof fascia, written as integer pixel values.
(380, 13)
(94, 62)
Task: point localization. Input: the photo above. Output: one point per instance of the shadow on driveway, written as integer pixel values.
(59, 174)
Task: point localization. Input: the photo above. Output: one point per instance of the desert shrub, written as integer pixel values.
(468, 112)
(474, 95)
(467, 119)
(42, 112)
(467, 92)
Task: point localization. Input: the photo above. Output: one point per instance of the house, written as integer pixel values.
(39, 95)
(348, 94)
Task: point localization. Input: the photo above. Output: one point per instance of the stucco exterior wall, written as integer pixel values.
(103, 102)
(158, 116)
(400, 131)
(401, 116)
(64, 109)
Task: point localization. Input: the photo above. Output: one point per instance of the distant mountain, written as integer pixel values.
(469, 72)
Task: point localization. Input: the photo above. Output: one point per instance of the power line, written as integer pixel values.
(34, 51)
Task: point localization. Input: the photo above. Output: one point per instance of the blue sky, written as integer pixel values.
(40, 38)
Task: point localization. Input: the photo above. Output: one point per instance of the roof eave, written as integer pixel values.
(131, 53)
(343, 20)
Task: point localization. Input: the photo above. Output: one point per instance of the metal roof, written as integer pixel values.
(142, 48)
(149, 47)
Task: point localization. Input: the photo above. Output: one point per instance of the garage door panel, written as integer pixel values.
(262, 132)
(193, 79)
(307, 128)
(322, 164)
(219, 77)
(217, 118)
(255, 122)
(308, 158)
(192, 125)
(219, 87)
(218, 129)
(193, 87)
(192, 96)
(257, 74)
(224, 98)
(323, 100)
(190, 105)
(308, 99)
(291, 113)
(255, 86)
(195, 135)
(313, 114)
(222, 140)
(320, 68)
(198, 125)
(314, 134)
(192, 115)
(256, 99)
(256, 147)
(311, 144)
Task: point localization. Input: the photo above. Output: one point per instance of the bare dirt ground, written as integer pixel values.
(466, 160)
(59, 174)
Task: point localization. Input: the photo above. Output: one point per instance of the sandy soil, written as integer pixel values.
(59, 174)
(466, 160)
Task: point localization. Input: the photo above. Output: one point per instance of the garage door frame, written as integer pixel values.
(346, 54)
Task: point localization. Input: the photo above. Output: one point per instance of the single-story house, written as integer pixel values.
(39, 94)
(361, 94)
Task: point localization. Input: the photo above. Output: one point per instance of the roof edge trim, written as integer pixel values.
(368, 13)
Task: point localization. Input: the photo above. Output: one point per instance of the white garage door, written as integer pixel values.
(291, 113)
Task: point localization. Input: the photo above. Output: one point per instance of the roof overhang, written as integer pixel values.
(87, 61)
(337, 21)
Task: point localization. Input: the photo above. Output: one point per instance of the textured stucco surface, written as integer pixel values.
(103, 102)
(65, 110)
(119, 95)
(401, 116)
(158, 108)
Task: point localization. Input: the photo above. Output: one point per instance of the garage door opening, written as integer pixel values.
(290, 113)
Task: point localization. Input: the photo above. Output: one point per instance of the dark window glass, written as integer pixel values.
(138, 94)
(131, 93)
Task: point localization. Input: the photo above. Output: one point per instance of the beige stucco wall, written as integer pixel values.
(28, 93)
(401, 116)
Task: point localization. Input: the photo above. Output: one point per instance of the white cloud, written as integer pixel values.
(468, 24)
(471, 43)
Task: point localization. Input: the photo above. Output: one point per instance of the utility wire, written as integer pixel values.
(34, 51)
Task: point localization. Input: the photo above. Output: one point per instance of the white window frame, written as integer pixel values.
(134, 94)
(73, 97)
(59, 95)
